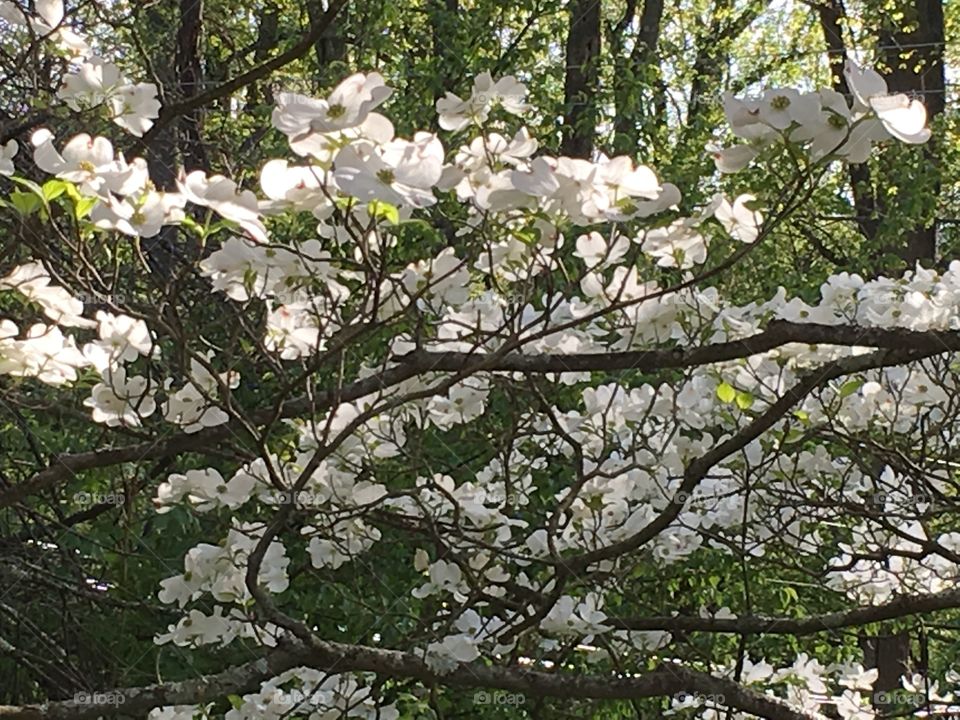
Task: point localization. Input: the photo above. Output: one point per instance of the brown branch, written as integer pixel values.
(667, 680)
(303, 46)
(65, 466)
(778, 333)
(902, 606)
(698, 469)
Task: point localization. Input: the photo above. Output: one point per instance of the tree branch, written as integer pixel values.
(697, 470)
(902, 606)
(669, 679)
(777, 334)
(170, 112)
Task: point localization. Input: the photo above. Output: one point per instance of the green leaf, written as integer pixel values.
(83, 206)
(72, 191)
(53, 189)
(388, 212)
(788, 595)
(744, 400)
(191, 224)
(28, 207)
(726, 392)
(25, 203)
(29, 184)
(850, 387)
(792, 436)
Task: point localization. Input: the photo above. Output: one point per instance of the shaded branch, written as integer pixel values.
(303, 46)
(667, 680)
(778, 333)
(902, 606)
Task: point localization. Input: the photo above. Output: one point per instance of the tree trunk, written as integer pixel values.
(331, 47)
(635, 73)
(443, 21)
(190, 80)
(581, 83)
(831, 13)
(890, 655)
(267, 36)
(913, 64)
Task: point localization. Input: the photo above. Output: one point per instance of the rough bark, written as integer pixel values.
(331, 46)
(190, 80)
(267, 36)
(636, 68)
(913, 64)
(831, 14)
(581, 83)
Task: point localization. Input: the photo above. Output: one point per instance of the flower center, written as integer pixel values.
(780, 102)
(837, 122)
(386, 176)
(336, 111)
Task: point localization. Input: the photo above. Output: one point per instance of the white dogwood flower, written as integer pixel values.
(401, 172)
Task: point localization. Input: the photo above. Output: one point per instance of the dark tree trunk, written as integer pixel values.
(190, 79)
(161, 149)
(890, 655)
(182, 138)
(267, 37)
(331, 47)
(636, 73)
(443, 21)
(831, 14)
(581, 83)
(913, 64)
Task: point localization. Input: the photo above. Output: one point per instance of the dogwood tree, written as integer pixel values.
(442, 420)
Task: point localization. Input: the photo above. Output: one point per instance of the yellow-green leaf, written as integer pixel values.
(726, 392)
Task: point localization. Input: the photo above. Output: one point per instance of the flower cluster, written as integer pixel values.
(94, 82)
(825, 122)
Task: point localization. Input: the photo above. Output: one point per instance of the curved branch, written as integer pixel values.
(777, 334)
(65, 466)
(171, 112)
(668, 679)
(900, 607)
(698, 469)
